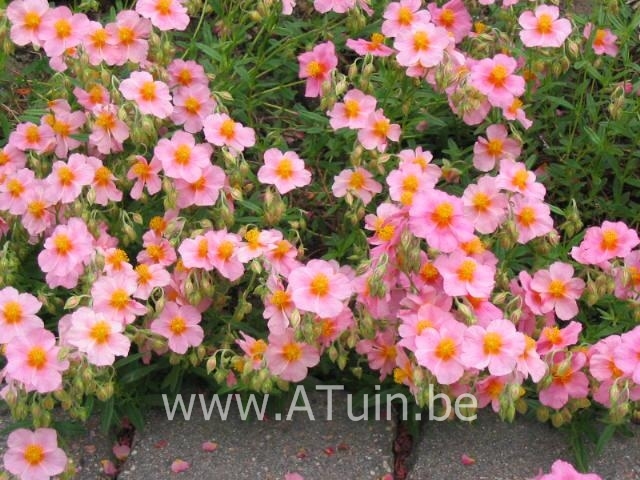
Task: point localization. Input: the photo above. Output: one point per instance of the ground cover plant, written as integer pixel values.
(253, 194)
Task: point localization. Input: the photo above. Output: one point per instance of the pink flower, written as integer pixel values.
(409, 180)
(289, 358)
(516, 112)
(440, 350)
(423, 44)
(180, 325)
(34, 455)
(319, 288)
(151, 96)
(529, 362)
(29, 136)
(186, 73)
(204, 191)
(157, 250)
(284, 170)
(98, 336)
(179, 466)
(13, 191)
(316, 66)
(553, 338)
(108, 132)
(611, 240)
(68, 247)
(62, 30)
(17, 314)
(413, 324)
(282, 258)
(453, 16)
(66, 180)
(192, 105)
(278, 306)
(353, 111)
(627, 355)
(464, 275)
(257, 243)
(221, 130)
(254, 349)
(358, 182)
(182, 158)
(128, 38)
(484, 205)
(374, 47)
(381, 352)
(402, 15)
(112, 297)
(604, 41)
(65, 124)
(497, 347)
(197, 252)
(515, 177)
(494, 78)
(338, 6)
(11, 159)
(32, 359)
(97, 46)
(567, 381)
(497, 145)
(150, 277)
(543, 28)
(532, 217)
(377, 131)
(224, 254)
(26, 20)
(558, 290)
(561, 470)
(438, 217)
(489, 390)
(146, 175)
(164, 14)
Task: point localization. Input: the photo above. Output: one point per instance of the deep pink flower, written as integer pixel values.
(34, 455)
(553, 338)
(381, 352)
(374, 47)
(288, 358)
(316, 66)
(463, 275)
(543, 28)
(484, 205)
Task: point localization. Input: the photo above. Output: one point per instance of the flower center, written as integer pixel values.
(99, 37)
(61, 128)
(447, 18)
(599, 39)
(148, 91)
(280, 299)
(554, 335)
(527, 216)
(405, 16)
(442, 215)
(520, 178)
(282, 248)
(15, 187)
(156, 252)
(545, 24)
(410, 183)
(284, 169)
(315, 69)
(609, 240)
(102, 176)
(494, 147)
(144, 274)
(184, 78)
(142, 170)
(203, 248)
(292, 352)
(257, 349)
(117, 258)
(466, 271)
(163, 7)
(446, 349)
(492, 343)
(32, 134)
(498, 76)
(494, 388)
(12, 312)
(422, 325)
(192, 105)
(66, 176)
(421, 40)
(119, 299)
(225, 250)
(429, 273)
(253, 238)
(62, 243)
(106, 121)
(385, 233)
(557, 289)
(33, 454)
(357, 180)
(177, 325)
(381, 128)
(37, 357)
(481, 202)
(351, 109)
(100, 332)
(319, 285)
(126, 35)
(228, 129)
(63, 28)
(182, 154)
(32, 20)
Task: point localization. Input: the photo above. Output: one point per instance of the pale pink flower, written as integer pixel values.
(409, 180)
(283, 170)
(108, 132)
(423, 45)
(338, 6)
(29, 136)
(34, 455)
(496, 347)
(440, 350)
(463, 275)
(413, 324)
(11, 160)
(164, 14)
(516, 112)
(402, 15)
(95, 95)
(353, 111)
(96, 44)
(38, 216)
(182, 158)
(561, 470)
(319, 288)
(197, 252)
(112, 297)
(151, 96)
(627, 277)
(254, 349)
(150, 277)
(611, 240)
(494, 78)
(515, 177)
(358, 182)
(128, 38)
(116, 262)
(484, 205)
(103, 183)
(422, 158)
(381, 352)
(32, 359)
(62, 30)
(257, 243)
(156, 250)
(224, 254)
(316, 66)
(332, 327)
(438, 217)
(66, 180)
(186, 73)
(529, 362)
(221, 130)
(146, 175)
(65, 124)
(26, 20)
(552, 338)
(180, 324)
(491, 150)
(282, 257)
(288, 358)
(68, 247)
(543, 28)
(604, 41)
(532, 218)
(192, 105)
(204, 191)
(377, 131)
(278, 306)
(627, 355)
(98, 336)
(567, 381)
(17, 314)
(558, 289)
(452, 16)
(13, 191)
(374, 47)
(489, 390)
